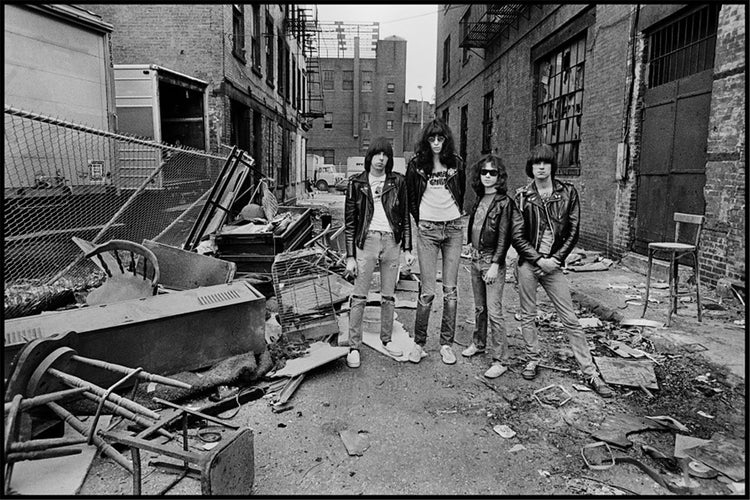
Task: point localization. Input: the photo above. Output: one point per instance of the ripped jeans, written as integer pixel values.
(446, 238)
(379, 247)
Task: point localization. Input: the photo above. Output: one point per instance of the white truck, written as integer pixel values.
(327, 176)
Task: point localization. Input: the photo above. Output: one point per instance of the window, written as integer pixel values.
(390, 88)
(489, 102)
(238, 31)
(255, 40)
(389, 125)
(447, 59)
(365, 121)
(445, 115)
(269, 50)
(465, 22)
(280, 59)
(293, 78)
(348, 80)
(287, 76)
(559, 97)
(682, 47)
(367, 81)
(328, 120)
(329, 156)
(390, 105)
(327, 79)
(300, 90)
(365, 143)
(463, 129)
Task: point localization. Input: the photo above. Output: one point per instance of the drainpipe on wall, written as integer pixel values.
(355, 93)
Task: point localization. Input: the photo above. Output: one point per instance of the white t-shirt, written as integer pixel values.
(437, 202)
(379, 220)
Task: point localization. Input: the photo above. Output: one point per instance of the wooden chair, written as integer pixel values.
(677, 250)
(123, 261)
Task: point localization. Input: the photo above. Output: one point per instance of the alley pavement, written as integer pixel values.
(611, 294)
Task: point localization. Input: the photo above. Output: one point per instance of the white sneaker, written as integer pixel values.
(471, 350)
(495, 370)
(416, 354)
(352, 359)
(447, 354)
(393, 350)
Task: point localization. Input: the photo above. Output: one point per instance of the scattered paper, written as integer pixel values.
(504, 431)
(704, 414)
(517, 447)
(589, 322)
(355, 442)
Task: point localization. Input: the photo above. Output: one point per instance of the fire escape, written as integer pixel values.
(483, 23)
(307, 30)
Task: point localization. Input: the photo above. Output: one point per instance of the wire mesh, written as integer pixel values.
(303, 290)
(63, 180)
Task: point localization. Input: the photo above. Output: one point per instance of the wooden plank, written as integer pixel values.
(319, 354)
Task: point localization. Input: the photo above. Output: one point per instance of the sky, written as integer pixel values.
(417, 24)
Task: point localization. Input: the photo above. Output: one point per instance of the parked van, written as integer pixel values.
(356, 164)
(326, 175)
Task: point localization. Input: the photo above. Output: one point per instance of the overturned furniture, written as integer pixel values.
(163, 334)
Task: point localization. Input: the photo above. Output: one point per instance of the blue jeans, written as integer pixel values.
(558, 291)
(446, 238)
(379, 247)
(488, 309)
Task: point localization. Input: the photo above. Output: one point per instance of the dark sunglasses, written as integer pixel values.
(486, 171)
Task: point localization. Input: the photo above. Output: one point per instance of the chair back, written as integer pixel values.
(123, 261)
(681, 219)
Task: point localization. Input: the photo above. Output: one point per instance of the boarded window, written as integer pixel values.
(559, 103)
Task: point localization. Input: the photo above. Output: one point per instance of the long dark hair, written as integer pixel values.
(502, 174)
(541, 153)
(423, 151)
(379, 145)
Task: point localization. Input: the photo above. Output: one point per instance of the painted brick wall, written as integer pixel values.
(725, 237)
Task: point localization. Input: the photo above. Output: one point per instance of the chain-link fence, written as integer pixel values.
(64, 180)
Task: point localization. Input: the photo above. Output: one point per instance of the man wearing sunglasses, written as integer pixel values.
(545, 231)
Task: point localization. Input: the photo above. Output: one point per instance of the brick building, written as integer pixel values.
(416, 114)
(363, 83)
(644, 105)
(254, 58)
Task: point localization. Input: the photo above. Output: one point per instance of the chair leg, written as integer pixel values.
(648, 280)
(696, 271)
(676, 297)
(671, 289)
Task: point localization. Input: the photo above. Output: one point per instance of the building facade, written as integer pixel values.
(253, 57)
(644, 105)
(416, 114)
(363, 81)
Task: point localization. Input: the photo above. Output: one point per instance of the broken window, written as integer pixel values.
(559, 99)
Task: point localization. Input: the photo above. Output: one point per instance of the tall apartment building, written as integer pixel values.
(643, 103)
(363, 82)
(254, 58)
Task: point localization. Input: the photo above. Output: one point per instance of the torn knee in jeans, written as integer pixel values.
(426, 299)
(357, 299)
(386, 298)
(478, 310)
(450, 292)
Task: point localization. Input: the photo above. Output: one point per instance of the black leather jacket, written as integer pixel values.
(416, 184)
(359, 207)
(563, 213)
(495, 237)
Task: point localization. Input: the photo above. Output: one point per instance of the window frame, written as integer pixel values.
(559, 82)
(365, 118)
(446, 60)
(389, 124)
(255, 40)
(366, 80)
(488, 105)
(390, 106)
(328, 120)
(325, 81)
(270, 57)
(238, 32)
(390, 88)
(347, 83)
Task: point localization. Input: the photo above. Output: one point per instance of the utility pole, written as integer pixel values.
(421, 108)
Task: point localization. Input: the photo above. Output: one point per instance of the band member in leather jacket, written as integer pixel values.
(489, 234)
(436, 181)
(376, 227)
(545, 232)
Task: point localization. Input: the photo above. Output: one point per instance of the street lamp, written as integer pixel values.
(421, 110)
